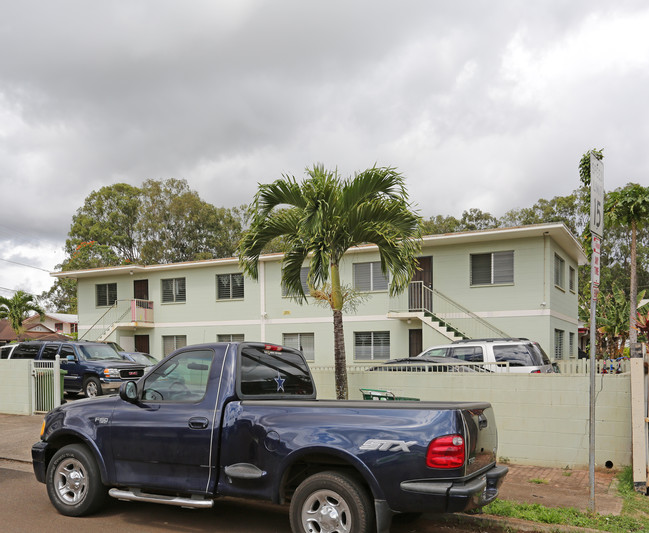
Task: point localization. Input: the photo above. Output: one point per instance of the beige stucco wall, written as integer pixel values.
(15, 387)
(542, 419)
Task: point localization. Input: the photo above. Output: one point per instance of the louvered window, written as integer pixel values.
(230, 337)
(106, 294)
(305, 342)
(173, 342)
(229, 286)
(493, 268)
(559, 271)
(173, 290)
(572, 279)
(371, 345)
(369, 277)
(558, 344)
(304, 277)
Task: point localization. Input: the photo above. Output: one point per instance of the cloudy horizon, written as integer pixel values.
(478, 105)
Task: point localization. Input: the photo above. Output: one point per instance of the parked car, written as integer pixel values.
(427, 364)
(523, 355)
(91, 367)
(141, 358)
(5, 351)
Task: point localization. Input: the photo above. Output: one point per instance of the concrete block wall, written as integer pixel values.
(542, 419)
(15, 387)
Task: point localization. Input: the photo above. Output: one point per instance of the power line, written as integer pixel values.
(23, 264)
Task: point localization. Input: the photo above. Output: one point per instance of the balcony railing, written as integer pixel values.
(122, 311)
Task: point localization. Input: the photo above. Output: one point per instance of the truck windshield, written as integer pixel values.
(99, 352)
(273, 373)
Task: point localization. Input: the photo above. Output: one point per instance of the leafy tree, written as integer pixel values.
(440, 224)
(109, 217)
(17, 309)
(559, 209)
(178, 226)
(475, 219)
(321, 218)
(629, 207)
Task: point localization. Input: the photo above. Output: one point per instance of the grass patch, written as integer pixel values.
(634, 517)
(539, 481)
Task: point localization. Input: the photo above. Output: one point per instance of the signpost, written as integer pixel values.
(597, 230)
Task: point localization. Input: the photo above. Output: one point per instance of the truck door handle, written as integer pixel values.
(198, 422)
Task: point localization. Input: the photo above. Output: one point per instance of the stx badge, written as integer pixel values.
(387, 445)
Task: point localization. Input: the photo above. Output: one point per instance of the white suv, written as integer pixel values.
(523, 355)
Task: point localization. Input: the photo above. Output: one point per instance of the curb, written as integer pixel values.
(508, 524)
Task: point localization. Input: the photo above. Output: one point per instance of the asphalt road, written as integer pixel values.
(25, 508)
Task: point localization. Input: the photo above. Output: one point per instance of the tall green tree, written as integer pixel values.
(18, 308)
(323, 216)
(628, 207)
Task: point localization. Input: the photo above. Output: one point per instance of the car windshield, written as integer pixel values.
(434, 352)
(144, 359)
(516, 354)
(99, 352)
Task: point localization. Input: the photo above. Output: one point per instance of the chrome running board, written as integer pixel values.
(136, 495)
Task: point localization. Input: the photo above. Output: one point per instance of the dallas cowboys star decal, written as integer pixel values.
(280, 383)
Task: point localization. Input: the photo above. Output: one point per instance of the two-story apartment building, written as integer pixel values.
(515, 282)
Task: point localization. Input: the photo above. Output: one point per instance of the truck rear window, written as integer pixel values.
(271, 373)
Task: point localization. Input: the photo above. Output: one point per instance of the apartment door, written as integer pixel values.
(419, 298)
(142, 343)
(414, 342)
(141, 289)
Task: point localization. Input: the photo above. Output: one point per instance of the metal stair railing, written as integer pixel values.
(105, 322)
(451, 314)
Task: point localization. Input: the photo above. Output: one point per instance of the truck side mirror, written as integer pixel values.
(128, 391)
(71, 358)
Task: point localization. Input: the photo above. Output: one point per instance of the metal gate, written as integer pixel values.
(47, 385)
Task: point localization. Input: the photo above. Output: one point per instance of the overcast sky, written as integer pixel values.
(479, 104)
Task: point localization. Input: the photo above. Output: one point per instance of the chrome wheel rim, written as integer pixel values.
(71, 481)
(91, 389)
(325, 511)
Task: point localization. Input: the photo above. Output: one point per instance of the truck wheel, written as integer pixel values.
(331, 502)
(91, 387)
(73, 481)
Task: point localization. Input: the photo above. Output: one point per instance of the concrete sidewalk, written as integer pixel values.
(550, 487)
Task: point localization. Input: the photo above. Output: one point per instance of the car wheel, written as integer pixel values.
(73, 481)
(92, 387)
(331, 502)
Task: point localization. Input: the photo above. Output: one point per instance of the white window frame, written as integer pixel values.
(501, 269)
(559, 335)
(373, 280)
(230, 337)
(305, 342)
(171, 343)
(231, 286)
(108, 302)
(375, 350)
(178, 290)
(572, 279)
(559, 272)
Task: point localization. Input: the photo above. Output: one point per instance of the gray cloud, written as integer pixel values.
(486, 105)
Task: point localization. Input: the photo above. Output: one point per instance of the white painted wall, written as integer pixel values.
(15, 387)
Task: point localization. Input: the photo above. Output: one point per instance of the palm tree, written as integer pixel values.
(17, 309)
(629, 207)
(321, 218)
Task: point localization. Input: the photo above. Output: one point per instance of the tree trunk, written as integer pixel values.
(339, 356)
(633, 332)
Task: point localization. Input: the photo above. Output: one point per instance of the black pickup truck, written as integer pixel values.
(242, 420)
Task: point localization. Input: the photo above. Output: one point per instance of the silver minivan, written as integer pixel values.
(522, 355)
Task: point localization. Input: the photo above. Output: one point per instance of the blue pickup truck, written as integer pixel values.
(242, 420)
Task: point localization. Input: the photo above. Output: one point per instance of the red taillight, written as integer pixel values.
(272, 348)
(535, 372)
(446, 452)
